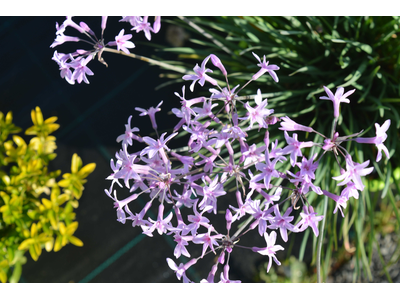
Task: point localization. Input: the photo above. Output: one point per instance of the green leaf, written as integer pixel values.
(353, 77)
(86, 170)
(33, 253)
(76, 163)
(9, 117)
(253, 37)
(366, 48)
(75, 241)
(57, 244)
(25, 244)
(305, 69)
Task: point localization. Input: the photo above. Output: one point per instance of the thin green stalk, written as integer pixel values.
(320, 239)
(321, 233)
(149, 60)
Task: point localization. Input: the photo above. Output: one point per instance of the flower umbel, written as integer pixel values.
(220, 155)
(80, 58)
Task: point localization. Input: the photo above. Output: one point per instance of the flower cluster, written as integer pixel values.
(219, 157)
(78, 60)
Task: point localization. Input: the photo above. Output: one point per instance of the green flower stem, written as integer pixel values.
(149, 60)
(321, 233)
(320, 239)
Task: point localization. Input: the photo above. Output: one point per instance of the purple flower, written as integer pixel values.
(64, 67)
(242, 208)
(122, 43)
(133, 20)
(208, 161)
(308, 167)
(115, 168)
(282, 222)
(253, 155)
(211, 274)
(184, 198)
(120, 204)
(81, 70)
(305, 175)
(217, 62)
(228, 94)
(236, 131)
(294, 147)
(181, 242)
(289, 125)
(210, 193)
(68, 22)
(157, 24)
(103, 24)
(309, 218)
(181, 269)
(185, 112)
(207, 240)
(270, 250)
(195, 221)
(225, 277)
(126, 138)
(151, 112)
(378, 140)
(200, 75)
(61, 39)
(305, 182)
(353, 172)
(259, 113)
(221, 138)
(350, 191)
(187, 162)
(157, 146)
(267, 170)
(143, 25)
(254, 208)
(265, 68)
(161, 224)
(229, 220)
(337, 98)
(129, 170)
(199, 133)
(206, 111)
(341, 201)
(137, 220)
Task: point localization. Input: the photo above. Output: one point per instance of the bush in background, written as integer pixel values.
(37, 211)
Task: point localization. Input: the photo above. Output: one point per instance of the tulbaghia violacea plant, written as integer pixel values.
(195, 177)
(78, 60)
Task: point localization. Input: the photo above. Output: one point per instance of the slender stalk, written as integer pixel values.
(150, 61)
(320, 239)
(321, 233)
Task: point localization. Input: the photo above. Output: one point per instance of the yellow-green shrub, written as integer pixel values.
(37, 211)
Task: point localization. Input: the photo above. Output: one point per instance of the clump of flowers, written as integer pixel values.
(73, 66)
(219, 157)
